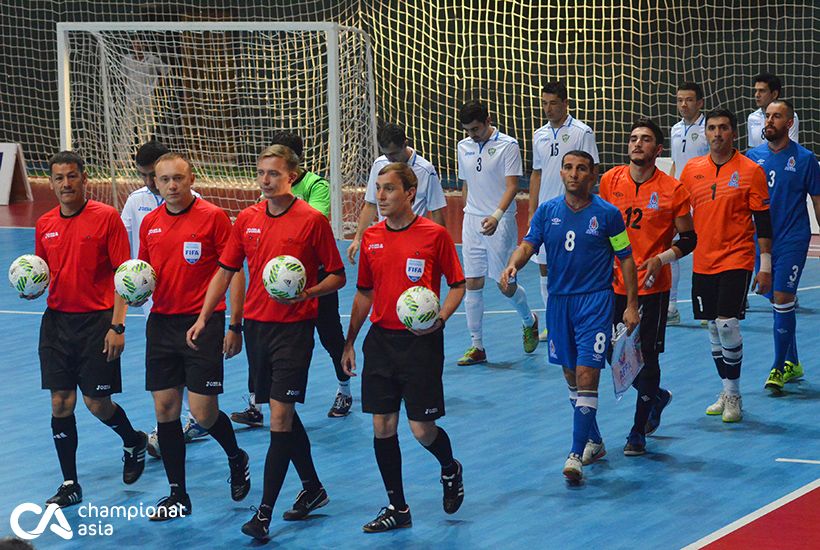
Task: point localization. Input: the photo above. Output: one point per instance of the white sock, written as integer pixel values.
(474, 306)
(673, 292)
(544, 292)
(344, 388)
(731, 387)
(519, 300)
(252, 400)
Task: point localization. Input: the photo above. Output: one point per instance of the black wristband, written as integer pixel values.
(442, 323)
(237, 328)
(119, 329)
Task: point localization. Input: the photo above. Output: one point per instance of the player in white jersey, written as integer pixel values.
(138, 205)
(141, 72)
(550, 143)
(767, 88)
(429, 197)
(489, 165)
(688, 140)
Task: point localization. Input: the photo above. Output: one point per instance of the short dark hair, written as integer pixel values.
(391, 134)
(556, 87)
(721, 112)
(582, 154)
(67, 157)
(647, 123)
(150, 152)
(291, 140)
(788, 104)
(408, 177)
(692, 87)
(473, 110)
(773, 82)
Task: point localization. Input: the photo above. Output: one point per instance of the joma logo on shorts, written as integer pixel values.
(103, 387)
(292, 392)
(434, 410)
(213, 384)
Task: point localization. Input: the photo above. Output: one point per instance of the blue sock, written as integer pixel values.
(584, 419)
(594, 432)
(785, 323)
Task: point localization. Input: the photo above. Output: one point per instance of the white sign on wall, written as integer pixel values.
(13, 179)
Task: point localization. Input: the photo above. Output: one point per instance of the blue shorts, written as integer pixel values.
(580, 328)
(787, 267)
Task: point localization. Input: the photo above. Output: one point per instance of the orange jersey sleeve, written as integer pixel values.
(649, 211)
(723, 198)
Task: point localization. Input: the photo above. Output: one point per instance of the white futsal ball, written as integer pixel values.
(29, 275)
(284, 277)
(135, 281)
(417, 308)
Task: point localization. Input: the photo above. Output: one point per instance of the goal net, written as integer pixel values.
(217, 92)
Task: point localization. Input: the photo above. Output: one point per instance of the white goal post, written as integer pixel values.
(216, 91)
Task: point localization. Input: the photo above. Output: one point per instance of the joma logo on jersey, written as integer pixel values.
(374, 246)
(155, 230)
(192, 252)
(790, 165)
(51, 235)
(414, 269)
(144, 209)
(253, 231)
(735, 180)
(593, 226)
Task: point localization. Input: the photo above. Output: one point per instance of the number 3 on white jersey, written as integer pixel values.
(569, 244)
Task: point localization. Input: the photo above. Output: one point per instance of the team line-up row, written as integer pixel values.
(723, 199)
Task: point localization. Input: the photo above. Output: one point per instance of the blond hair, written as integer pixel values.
(282, 152)
(406, 175)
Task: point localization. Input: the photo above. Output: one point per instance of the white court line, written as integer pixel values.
(734, 526)
(797, 460)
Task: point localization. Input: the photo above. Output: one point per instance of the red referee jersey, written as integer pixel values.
(300, 231)
(649, 211)
(184, 248)
(391, 261)
(82, 251)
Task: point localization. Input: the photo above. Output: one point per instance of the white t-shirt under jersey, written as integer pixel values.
(687, 141)
(549, 145)
(756, 123)
(429, 195)
(485, 167)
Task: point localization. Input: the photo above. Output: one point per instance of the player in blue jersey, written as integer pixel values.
(791, 173)
(581, 233)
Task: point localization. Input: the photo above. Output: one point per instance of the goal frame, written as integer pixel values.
(331, 32)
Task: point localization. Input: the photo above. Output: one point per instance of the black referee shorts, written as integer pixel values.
(170, 363)
(721, 294)
(400, 365)
(71, 353)
(279, 358)
(654, 309)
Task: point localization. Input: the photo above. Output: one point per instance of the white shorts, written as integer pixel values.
(487, 256)
(539, 257)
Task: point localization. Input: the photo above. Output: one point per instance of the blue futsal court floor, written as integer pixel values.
(510, 423)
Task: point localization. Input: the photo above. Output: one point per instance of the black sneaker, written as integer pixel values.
(259, 524)
(306, 503)
(69, 494)
(240, 479)
(134, 460)
(635, 445)
(654, 420)
(453, 490)
(250, 417)
(172, 507)
(388, 519)
(341, 406)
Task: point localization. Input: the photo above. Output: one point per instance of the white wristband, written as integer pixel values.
(498, 214)
(667, 256)
(765, 262)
